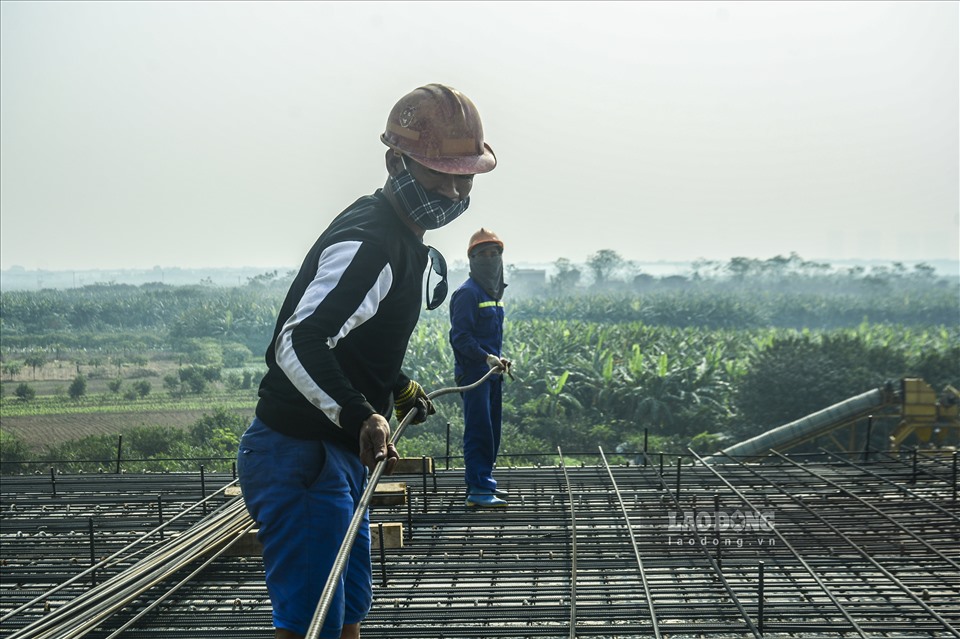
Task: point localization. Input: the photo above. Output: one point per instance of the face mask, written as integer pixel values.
(488, 273)
(428, 210)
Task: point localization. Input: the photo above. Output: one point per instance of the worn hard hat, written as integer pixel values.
(440, 128)
(483, 236)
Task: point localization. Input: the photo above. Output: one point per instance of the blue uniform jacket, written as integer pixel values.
(476, 328)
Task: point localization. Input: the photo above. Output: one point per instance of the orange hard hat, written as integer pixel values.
(483, 236)
(440, 128)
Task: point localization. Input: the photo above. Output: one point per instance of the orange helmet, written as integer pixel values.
(483, 236)
(440, 128)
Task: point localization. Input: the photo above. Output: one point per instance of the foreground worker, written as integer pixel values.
(334, 363)
(476, 335)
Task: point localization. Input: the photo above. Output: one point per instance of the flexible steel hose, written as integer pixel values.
(326, 598)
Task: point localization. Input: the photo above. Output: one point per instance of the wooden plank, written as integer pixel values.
(392, 535)
(390, 494)
(413, 466)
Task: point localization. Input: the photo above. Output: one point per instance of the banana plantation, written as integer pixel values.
(658, 365)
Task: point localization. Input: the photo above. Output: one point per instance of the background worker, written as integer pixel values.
(476, 335)
(334, 363)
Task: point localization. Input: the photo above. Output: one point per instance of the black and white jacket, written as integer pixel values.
(343, 329)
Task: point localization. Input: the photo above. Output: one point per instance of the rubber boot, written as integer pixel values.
(489, 500)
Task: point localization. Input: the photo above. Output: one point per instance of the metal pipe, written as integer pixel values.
(808, 427)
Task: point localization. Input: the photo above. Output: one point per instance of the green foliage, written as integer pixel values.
(25, 392)
(244, 380)
(13, 450)
(171, 383)
(11, 369)
(204, 352)
(218, 430)
(708, 443)
(35, 361)
(151, 443)
(604, 264)
(730, 350)
(196, 378)
(98, 450)
(78, 387)
(565, 278)
(799, 374)
(937, 365)
(236, 355)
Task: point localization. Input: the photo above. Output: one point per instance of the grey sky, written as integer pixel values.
(195, 134)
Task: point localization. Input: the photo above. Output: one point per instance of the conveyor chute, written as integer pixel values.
(811, 426)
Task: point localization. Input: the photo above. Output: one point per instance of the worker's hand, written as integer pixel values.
(375, 444)
(410, 398)
(500, 363)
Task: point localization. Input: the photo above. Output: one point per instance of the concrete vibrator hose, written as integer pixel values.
(326, 598)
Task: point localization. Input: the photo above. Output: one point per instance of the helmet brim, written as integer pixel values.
(462, 165)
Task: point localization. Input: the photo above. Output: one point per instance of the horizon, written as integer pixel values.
(18, 278)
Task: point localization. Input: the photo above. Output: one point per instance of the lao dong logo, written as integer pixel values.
(735, 521)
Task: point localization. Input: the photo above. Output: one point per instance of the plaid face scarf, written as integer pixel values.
(428, 210)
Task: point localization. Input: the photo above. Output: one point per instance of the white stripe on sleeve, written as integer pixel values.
(333, 262)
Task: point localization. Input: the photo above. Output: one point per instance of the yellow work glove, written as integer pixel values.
(412, 397)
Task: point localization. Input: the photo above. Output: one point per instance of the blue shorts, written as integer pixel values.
(303, 495)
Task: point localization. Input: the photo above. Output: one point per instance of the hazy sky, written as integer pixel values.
(197, 134)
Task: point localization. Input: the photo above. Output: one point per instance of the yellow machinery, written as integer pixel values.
(934, 421)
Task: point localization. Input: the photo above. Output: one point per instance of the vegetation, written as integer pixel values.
(617, 360)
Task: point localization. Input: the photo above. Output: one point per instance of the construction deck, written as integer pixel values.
(832, 546)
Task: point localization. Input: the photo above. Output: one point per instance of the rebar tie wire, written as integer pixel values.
(339, 564)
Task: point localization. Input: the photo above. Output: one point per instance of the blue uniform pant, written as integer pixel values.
(303, 494)
(482, 413)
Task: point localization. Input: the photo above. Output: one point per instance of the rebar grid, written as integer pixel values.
(856, 549)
